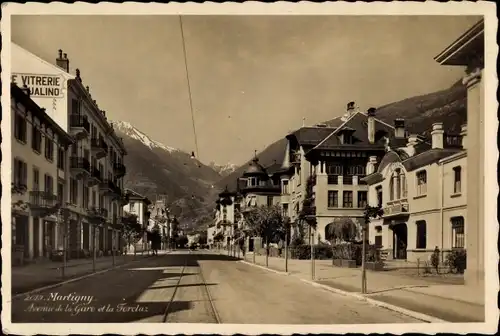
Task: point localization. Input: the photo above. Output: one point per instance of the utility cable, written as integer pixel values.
(189, 88)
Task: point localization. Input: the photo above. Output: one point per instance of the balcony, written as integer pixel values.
(107, 187)
(95, 177)
(79, 166)
(42, 200)
(99, 147)
(79, 126)
(96, 213)
(333, 179)
(396, 208)
(119, 169)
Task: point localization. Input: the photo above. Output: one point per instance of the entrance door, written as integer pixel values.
(250, 244)
(400, 240)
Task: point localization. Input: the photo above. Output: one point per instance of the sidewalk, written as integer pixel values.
(450, 302)
(33, 276)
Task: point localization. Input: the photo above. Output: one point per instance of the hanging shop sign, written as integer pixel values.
(43, 86)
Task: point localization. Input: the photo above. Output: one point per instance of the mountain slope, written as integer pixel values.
(155, 169)
(448, 106)
(223, 170)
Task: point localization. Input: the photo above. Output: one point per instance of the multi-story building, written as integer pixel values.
(468, 51)
(227, 212)
(328, 162)
(258, 186)
(423, 192)
(39, 169)
(138, 205)
(94, 180)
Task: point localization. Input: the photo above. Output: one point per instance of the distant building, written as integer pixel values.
(226, 217)
(39, 167)
(138, 205)
(468, 51)
(332, 159)
(423, 192)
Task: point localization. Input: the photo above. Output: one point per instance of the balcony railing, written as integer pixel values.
(333, 179)
(453, 141)
(79, 163)
(119, 168)
(98, 212)
(79, 121)
(42, 199)
(396, 208)
(107, 185)
(347, 180)
(99, 144)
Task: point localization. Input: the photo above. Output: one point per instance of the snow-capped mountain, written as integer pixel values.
(128, 129)
(223, 170)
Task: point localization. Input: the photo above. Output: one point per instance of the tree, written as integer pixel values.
(342, 230)
(202, 238)
(307, 214)
(268, 223)
(132, 230)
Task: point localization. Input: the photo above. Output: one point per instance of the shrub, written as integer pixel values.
(457, 260)
(435, 259)
(348, 251)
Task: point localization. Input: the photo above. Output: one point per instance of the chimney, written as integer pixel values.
(463, 133)
(371, 124)
(370, 167)
(26, 90)
(350, 107)
(437, 136)
(399, 128)
(77, 72)
(62, 61)
(412, 142)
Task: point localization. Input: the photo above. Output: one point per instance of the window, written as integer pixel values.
(285, 187)
(362, 199)
(299, 176)
(73, 191)
(356, 170)
(49, 149)
(404, 187)
(36, 139)
(269, 200)
(20, 173)
(20, 128)
(421, 183)
(101, 202)
(252, 181)
(75, 106)
(347, 199)
(334, 169)
(132, 206)
(49, 184)
(458, 232)
(60, 158)
(285, 209)
(86, 196)
(421, 234)
(378, 241)
(391, 189)
(333, 199)
(457, 181)
(36, 179)
(379, 195)
(94, 198)
(60, 193)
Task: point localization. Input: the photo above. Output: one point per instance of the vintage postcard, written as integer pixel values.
(249, 168)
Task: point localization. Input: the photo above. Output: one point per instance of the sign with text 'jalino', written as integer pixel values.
(43, 86)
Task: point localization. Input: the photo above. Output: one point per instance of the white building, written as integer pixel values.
(39, 169)
(138, 205)
(93, 187)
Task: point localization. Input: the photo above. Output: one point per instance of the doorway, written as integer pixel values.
(400, 240)
(36, 238)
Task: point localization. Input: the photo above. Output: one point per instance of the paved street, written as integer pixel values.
(197, 287)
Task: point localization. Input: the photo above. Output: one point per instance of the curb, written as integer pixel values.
(361, 297)
(33, 291)
(264, 268)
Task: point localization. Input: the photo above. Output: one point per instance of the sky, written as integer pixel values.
(253, 78)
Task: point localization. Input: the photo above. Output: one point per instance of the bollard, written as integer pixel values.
(418, 266)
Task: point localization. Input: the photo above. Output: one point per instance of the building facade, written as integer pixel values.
(326, 163)
(226, 218)
(93, 188)
(422, 191)
(39, 169)
(138, 205)
(468, 52)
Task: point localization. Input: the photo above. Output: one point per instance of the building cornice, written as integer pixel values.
(373, 178)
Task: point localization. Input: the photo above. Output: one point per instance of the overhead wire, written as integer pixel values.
(189, 88)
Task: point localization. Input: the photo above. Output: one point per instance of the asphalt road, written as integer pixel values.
(177, 288)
